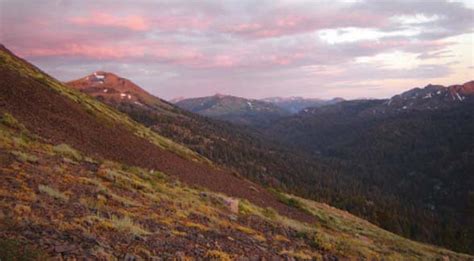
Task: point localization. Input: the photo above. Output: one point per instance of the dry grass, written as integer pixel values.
(218, 255)
(126, 224)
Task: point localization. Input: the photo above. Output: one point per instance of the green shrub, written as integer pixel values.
(290, 201)
(8, 120)
(323, 242)
(269, 213)
(53, 192)
(66, 151)
(25, 157)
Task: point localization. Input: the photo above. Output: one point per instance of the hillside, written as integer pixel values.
(81, 180)
(234, 109)
(415, 148)
(233, 147)
(296, 104)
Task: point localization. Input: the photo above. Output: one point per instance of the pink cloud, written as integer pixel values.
(225, 61)
(132, 22)
(290, 24)
(171, 23)
(86, 51)
(143, 51)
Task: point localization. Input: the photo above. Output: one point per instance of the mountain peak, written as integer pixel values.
(221, 95)
(110, 86)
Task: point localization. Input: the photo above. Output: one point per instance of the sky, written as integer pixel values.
(254, 49)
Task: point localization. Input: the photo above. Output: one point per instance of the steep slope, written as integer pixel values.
(234, 109)
(91, 203)
(63, 115)
(413, 150)
(296, 104)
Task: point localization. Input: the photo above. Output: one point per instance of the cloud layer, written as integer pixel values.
(247, 48)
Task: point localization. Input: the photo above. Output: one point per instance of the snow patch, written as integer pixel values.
(122, 95)
(250, 105)
(105, 90)
(99, 76)
(404, 107)
(428, 96)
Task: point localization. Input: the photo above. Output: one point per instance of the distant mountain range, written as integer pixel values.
(234, 109)
(296, 104)
(265, 111)
(333, 120)
(249, 112)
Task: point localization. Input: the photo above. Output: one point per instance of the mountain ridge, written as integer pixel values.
(296, 104)
(234, 109)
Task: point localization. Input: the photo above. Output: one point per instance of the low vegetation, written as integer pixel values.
(53, 192)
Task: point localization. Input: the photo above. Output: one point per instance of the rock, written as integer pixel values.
(180, 255)
(254, 188)
(129, 257)
(232, 204)
(139, 238)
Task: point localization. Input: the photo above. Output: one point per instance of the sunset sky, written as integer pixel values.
(254, 49)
